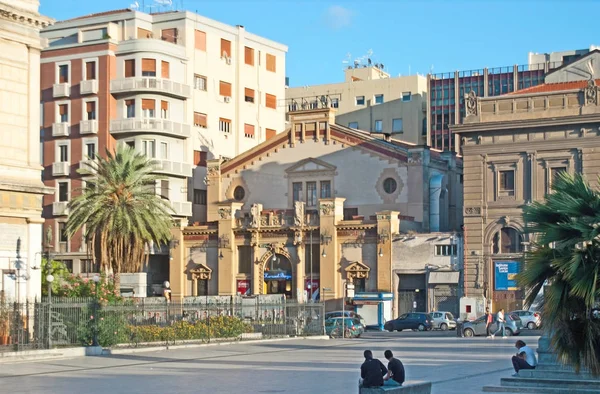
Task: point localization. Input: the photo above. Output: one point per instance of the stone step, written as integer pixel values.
(556, 383)
(535, 390)
(563, 374)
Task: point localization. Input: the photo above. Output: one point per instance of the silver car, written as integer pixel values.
(477, 327)
(443, 320)
(531, 319)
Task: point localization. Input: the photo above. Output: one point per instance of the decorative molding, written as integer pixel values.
(471, 104)
(201, 272)
(472, 211)
(225, 213)
(299, 213)
(390, 198)
(25, 18)
(590, 93)
(415, 158)
(327, 209)
(357, 270)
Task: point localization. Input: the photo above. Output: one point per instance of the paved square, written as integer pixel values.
(455, 365)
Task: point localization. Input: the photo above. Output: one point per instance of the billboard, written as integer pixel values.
(505, 273)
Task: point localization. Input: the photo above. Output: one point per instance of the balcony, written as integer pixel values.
(88, 127)
(151, 85)
(59, 208)
(173, 168)
(60, 129)
(181, 208)
(88, 87)
(61, 168)
(87, 166)
(61, 90)
(158, 126)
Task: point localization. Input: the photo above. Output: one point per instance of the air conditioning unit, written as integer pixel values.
(226, 99)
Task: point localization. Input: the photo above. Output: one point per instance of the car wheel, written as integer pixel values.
(421, 327)
(531, 325)
(443, 326)
(508, 332)
(468, 332)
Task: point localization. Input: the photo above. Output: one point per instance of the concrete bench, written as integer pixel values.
(406, 388)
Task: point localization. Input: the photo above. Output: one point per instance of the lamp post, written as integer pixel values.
(96, 280)
(49, 279)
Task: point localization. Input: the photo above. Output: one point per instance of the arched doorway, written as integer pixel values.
(278, 275)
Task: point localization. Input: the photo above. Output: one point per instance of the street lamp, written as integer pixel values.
(49, 279)
(96, 280)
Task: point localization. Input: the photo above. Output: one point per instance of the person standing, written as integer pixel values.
(372, 371)
(525, 358)
(489, 319)
(501, 324)
(395, 375)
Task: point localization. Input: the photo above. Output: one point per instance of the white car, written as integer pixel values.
(443, 320)
(531, 319)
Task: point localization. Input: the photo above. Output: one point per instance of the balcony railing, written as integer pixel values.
(149, 84)
(182, 208)
(88, 127)
(159, 126)
(88, 87)
(87, 166)
(61, 90)
(174, 168)
(59, 208)
(60, 129)
(61, 168)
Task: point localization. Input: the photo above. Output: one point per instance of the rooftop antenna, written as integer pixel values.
(135, 6)
(590, 66)
(346, 61)
(164, 3)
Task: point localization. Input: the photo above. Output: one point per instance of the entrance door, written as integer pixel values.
(278, 276)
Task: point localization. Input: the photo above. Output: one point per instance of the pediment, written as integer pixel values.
(310, 165)
(201, 271)
(357, 270)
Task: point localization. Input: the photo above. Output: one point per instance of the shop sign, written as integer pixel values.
(505, 275)
(243, 287)
(278, 275)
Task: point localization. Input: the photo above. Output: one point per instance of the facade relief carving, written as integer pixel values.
(472, 211)
(591, 93)
(299, 213)
(471, 104)
(357, 270)
(327, 209)
(225, 213)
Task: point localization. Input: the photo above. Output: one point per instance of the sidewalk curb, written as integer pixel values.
(49, 354)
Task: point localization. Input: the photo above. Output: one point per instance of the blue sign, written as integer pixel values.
(278, 275)
(505, 277)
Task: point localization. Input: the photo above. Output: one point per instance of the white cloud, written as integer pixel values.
(338, 17)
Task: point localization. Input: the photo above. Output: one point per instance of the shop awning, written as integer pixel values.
(438, 277)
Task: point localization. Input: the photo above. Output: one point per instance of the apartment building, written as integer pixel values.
(371, 100)
(176, 86)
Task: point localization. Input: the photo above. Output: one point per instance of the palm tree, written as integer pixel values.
(565, 260)
(120, 212)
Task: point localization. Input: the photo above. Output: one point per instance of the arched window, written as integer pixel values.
(507, 240)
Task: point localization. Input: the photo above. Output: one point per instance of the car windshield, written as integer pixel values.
(402, 317)
(427, 316)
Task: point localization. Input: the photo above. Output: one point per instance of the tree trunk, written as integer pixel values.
(118, 283)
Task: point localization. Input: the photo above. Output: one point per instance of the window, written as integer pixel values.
(335, 103)
(225, 48)
(62, 232)
(555, 172)
(249, 56)
(379, 99)
(325, 189)
(270, 133)
(446, 250)
(249, 130)
(297, 191)
(200, 158)
(130, 108)
(200, 120)
(148, 67)
(63, 73)
(271, 63)
(224, 125)
(148, 148)
(507, 183)
(311, 194)
(164, 150)
(90, 110)
(164, 110)
(245, 260)
(225, 89)
(148, 108)
(270, 101)
(360, 100)
(164, 189)
(406, 96)
(390, 185)
(350, 213)
(378, 126)
(200, 40)
(130, 144)
(239, 193)
(353, 125)
(129, 68)
(249, 95)
(507, 240)
(164, 69)
(63, 191)
(200, 82)
(63, 153)
(90, 70)
(397, 126)
(91, 150)
(143, 33)
(169, 35)
(199, 197)
(63, 112)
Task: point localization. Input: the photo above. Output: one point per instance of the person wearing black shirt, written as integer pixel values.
(372, 371)
(395, 375)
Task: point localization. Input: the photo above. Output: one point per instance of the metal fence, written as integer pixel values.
(147, 322)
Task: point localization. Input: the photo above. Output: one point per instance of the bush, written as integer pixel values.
(112, 328)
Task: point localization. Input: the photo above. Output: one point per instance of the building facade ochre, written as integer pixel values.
(513, 146)
(315, 206)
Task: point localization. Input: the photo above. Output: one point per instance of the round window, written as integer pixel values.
(239, 193)
(390, 185)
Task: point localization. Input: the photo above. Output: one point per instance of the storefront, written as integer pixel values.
(278, 276)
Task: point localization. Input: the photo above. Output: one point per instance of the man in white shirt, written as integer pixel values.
(501, 324)
(525, 358)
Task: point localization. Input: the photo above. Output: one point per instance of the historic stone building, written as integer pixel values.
(21, 187)
(315, 206)
(513, 146)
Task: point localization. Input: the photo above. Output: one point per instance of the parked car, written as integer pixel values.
(352, 327)
(443, 320)
(477, 327)
(351, 314)
(410, 321)
(530, 319)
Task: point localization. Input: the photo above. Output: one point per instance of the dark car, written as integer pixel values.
(410, 321)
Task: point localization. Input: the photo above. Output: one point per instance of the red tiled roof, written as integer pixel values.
(105, 13)
(554, 87)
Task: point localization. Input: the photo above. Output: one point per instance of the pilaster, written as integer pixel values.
(388, 224)
(227, 251)
(300, 270)
(213, 189)
(331, 211)
(177, 277)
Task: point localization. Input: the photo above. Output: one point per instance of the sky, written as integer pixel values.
(407, 36)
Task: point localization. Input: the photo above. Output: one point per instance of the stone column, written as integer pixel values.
(300, 269)
(177, 277)
(331, 211)
(228, 267)
(395, 285)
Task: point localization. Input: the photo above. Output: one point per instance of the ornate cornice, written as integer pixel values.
(24, 17)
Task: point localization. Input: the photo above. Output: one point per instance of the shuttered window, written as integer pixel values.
(225, 48)
(129, 68)
(270, 101)
(200, 40)
(130, 108)
(224, 125)
(225, 89)
(249, 95)
(200, 120)
(200, 158)
(90, 70)
(90, 110)
(147, 104)
(169, 35)
(63, 73)
(143, 33)
(148, 67)
(271, 63)
(164, 109)
(270, 133)
(164, 69)
(249, 130)
(63, 113)
(249, 56)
